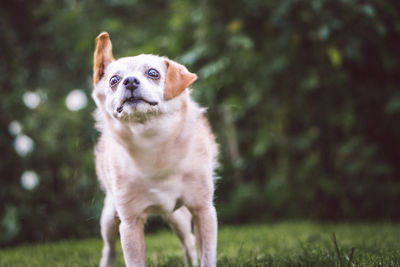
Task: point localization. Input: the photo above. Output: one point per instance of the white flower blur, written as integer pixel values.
(31, 99)
(23, 145)
(15, 128)
(29, 180)
(76, 100)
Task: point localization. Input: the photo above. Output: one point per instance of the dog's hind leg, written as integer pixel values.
(109, 231)
(181, 222)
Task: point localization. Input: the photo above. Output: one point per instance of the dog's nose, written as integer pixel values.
(131, 83)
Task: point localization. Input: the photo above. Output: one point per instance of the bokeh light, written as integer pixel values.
(76, 100)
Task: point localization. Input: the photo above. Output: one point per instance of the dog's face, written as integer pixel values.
(138, 86)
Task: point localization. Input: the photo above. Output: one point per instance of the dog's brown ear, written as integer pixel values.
(177, 79)
(102, 56)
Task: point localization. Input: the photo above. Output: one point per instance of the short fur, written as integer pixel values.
(152, 158)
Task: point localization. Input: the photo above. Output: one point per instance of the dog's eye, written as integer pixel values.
(153, 74)
(114, 80)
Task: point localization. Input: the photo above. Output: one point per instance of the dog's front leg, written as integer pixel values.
(205, 226)
(132, 241)
(109, 232)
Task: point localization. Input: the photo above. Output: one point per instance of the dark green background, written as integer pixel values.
(303, 97)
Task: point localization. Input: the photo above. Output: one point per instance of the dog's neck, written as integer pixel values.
(154, 131)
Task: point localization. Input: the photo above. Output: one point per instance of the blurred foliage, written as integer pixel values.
(303, 96)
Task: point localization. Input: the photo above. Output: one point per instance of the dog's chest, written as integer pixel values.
(150, 195)
(155, 154)
(149, 183)
(148, 169)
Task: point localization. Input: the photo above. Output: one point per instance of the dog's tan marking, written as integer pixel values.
(177, 79)
(102, 56)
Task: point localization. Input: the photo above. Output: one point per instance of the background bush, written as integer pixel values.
(303, 96)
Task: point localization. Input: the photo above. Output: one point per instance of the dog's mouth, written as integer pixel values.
(134, 101)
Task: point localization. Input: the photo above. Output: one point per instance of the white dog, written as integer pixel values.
(156, 154)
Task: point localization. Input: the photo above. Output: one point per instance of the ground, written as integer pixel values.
(278, 244)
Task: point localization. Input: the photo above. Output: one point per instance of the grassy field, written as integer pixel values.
(281, 244)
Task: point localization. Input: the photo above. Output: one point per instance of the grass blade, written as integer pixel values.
(337, 250)
(351, 256)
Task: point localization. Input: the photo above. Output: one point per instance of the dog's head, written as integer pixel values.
(136, 86)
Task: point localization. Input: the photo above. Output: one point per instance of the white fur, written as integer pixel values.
(154, 159)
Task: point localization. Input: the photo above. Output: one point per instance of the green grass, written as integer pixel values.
(281, 244)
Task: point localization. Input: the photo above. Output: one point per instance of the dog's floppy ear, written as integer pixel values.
(177, 79)
(102, 56)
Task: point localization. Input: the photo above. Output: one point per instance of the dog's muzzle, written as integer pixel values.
(131, 84)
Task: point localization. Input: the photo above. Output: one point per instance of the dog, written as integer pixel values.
(155, 154)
